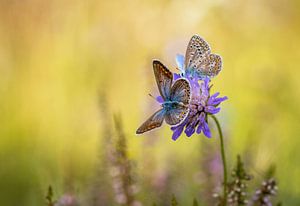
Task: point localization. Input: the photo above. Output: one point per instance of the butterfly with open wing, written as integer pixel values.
(199, 62)
(176, 98)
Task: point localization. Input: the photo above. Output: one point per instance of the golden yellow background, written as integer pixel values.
(57, 57)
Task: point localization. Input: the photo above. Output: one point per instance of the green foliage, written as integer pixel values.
(239, 171)
(49, 197)
(195, 202)
(270, 173)
(121, 161)
(174, 201)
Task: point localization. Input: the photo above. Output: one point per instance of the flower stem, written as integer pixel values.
(223, 159)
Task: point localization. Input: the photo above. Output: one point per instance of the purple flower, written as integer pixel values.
(176, 76)
(159, 99)
(202, 104)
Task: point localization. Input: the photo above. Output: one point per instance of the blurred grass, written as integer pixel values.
(55, 57)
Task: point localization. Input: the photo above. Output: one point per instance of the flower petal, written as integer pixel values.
(206, 80)
(177, 132)
(212, 98)
(176, 76)
(204, 88)
(189, 131)
(199, 128)
(190, 128)
(202, 117)
(160, 99)
(206, 130)
(216, 101)
(215, 95)
(212, 109)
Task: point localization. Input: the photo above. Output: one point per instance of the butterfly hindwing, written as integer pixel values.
(180, 96)
(210, 66)
(177, 114)
(163, 78)
(181, 91)
(215, 64)
(153, 122)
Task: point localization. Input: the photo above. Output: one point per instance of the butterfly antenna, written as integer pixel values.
(152, 96)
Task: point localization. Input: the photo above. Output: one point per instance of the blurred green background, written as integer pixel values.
(57, 57)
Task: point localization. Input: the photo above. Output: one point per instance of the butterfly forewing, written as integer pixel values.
(163, 78)
(195, 52)
(181, 91)
(153, 122)
(177, 114)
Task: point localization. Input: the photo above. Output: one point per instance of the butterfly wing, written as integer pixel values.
(197, 49)
(180, 96)
(210, 66)
(154, 121)
(163, 78)
(200, 60)
(177, 114)
(181, 91)
(180, 62)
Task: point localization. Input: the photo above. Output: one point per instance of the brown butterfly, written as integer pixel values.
(199, 61)
(176, 99)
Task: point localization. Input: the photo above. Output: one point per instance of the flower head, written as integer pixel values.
(263, 195)
(201, 105)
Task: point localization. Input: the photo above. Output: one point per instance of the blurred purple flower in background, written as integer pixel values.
(201, 105)
(67, 200)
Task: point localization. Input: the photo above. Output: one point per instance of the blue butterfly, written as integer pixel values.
(199, 62)
(175, 97)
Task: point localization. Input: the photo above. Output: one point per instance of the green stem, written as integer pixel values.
(223, 159)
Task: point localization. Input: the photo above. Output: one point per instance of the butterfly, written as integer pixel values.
(176, 98)
(199, 62)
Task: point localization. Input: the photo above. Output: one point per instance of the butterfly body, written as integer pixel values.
(169, 105)
(190, 73)
(176, 98)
